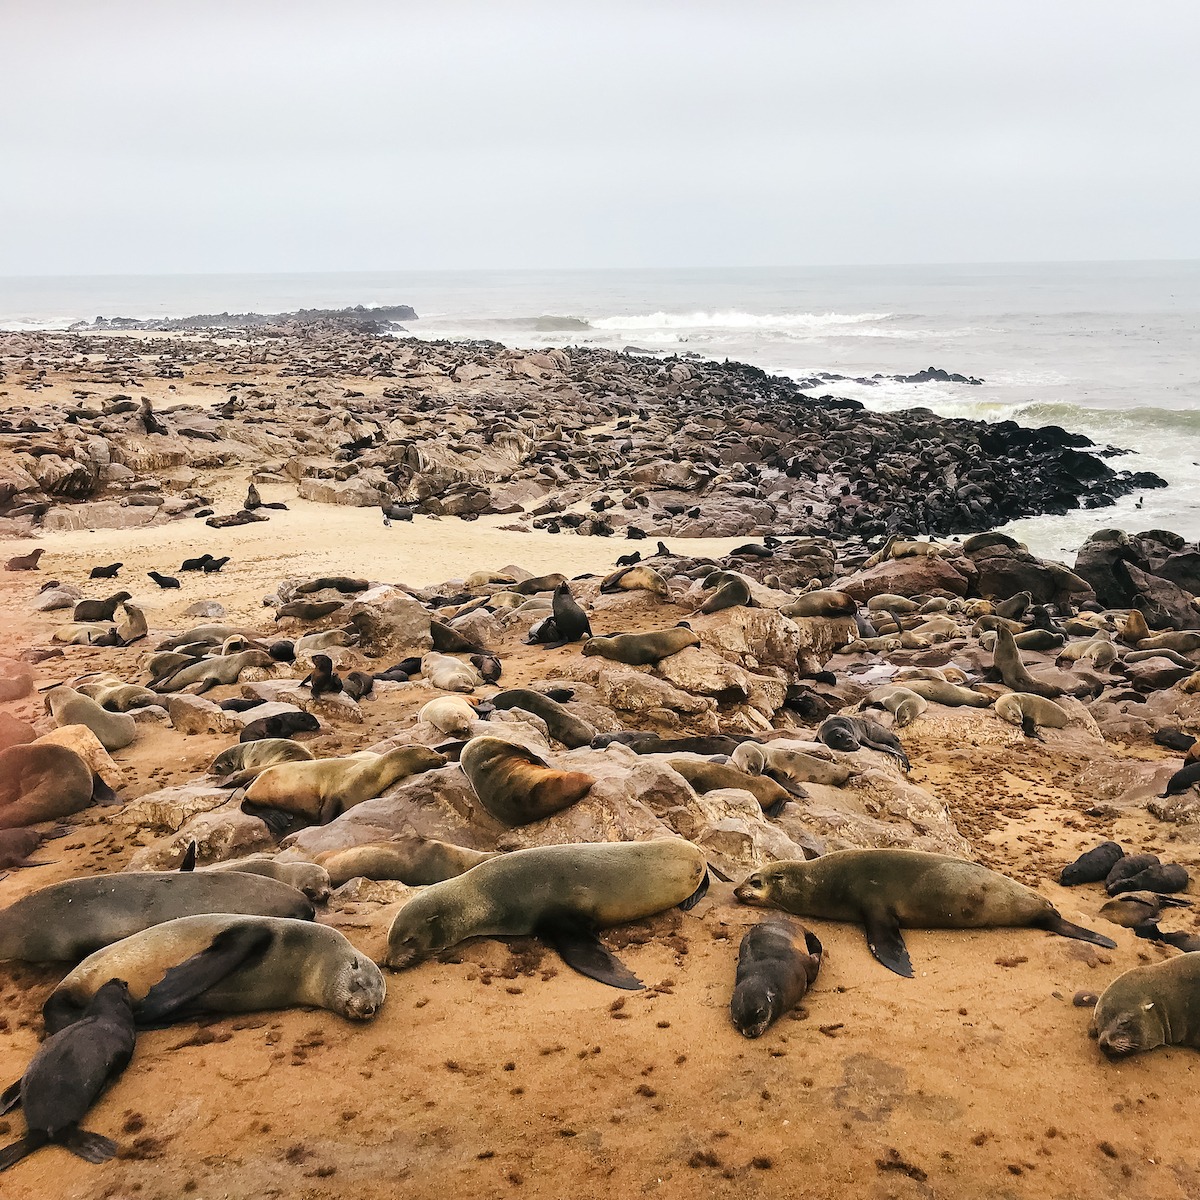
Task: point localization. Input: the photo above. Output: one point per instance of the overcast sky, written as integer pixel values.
(252, 135)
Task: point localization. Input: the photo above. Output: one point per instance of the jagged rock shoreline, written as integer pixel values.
(100, 431)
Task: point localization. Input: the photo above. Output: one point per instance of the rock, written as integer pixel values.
(1162, 601)
(16, 680)
(14, 479)
(631, 690)
(916, 576)
(171, 808)
(56, 598)
(763, 637)
(1183, 570)
(1005, 571)
(195, 714)
(220, 835)
(358, 492)
(395, 626)
(87, 745)
(481, 627)
(14, 732)
(209, 609)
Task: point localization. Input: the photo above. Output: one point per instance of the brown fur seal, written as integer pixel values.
(42, 782)
(562, 725)
(941, 692)
(732, 592)
(449, 674)
(339, 583)
(1134, 629)
(67, 1075)
(25, 562)
(1031, 713)
(452, 715)
(569, 619)
(87, 611)
(822, 603)
(786, 764)
(115, 731)
(515, 785)
(307, 877)
(258, 756)
(114, 695)
(904, 704)
(1092, 866)
(413, 860)
(539, 583)
(778, 962)
(704, 776)
(1150, 1006)
(849, 734)
(886, 890)
(636, 578)
(642, 649)
(66, 921)
(1099, 649)
(1007, 660)
(1185, 641)
(323, 788)
(226, 963)
(281, 725)
(1134, 910)
(561, 893)
(219, 670)
(308, 610)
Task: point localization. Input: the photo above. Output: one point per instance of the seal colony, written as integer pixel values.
(408, 761)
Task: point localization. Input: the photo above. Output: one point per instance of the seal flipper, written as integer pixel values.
(91, 1147)
(101, 792)
(788, 784)
(277, 820)
(10, 1097)
(582, 951)
(777, 808)
(1064, 928)
(189, 859)
(698, 895)
(12, 1154)
(886, 942)
(188, 981)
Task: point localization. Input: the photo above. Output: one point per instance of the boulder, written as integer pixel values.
(925, 574)
(16, 680)
(87, 745)
(394, 626)
(221, 834)
(14, 732)
(169, 809)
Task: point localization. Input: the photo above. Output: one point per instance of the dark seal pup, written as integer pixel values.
(1092, 867)
(885, 890)
(777, 963)
(67, 1075)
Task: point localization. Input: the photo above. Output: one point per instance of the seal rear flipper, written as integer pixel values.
(582, 951)
(91, 1147)
(189, 859)
(277, 820)
(10, 1097)
(777, 808)
(699, 894)
(788, 784)
(1064, 928)
(886, 943)
(101, 792)
(15, 1151)
(229, 950)
(1147, 929)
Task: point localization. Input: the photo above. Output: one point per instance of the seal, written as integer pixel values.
(25, 562)
(281, 725)
(323, 788)
(822, 603)
(1158, 877)
(886, 890)
(1137, 910)
(778, 962)
(787, 765)
(570, 620)
(100, 610)
(452, 715)
(1184, 779)
(1126, 867)
(515, 785)
(1007, 660)
(562, 894)
(218, 670)
(115, 695)
(703, 776)
(66, 921)
(308, 610)
(339, 583)
(68, 1073)
(322, 679)
(849, 734)
(410, 858)
(1152, 1006)
(449, 674)
(639, 578)
(642, 649)
(942, 692)
(1092, 866)
(562, 725)
(306, 877)
(1031, 713)
(218, 963)
(733, 591)
(40, 781)
(115, 731)
(539, 583)
(904, 704)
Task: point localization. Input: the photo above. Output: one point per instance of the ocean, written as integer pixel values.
(1111, 350)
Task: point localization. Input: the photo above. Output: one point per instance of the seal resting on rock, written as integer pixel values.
(115, 731)
(413, 860)
(562, 894)
(778, 962)
(886, 890)
(642, 649)
(226, 963)
(515, 785)
(849, 734)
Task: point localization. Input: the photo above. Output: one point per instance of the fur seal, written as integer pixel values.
(1031, 713)
(114, 695)
(651, 743)
(1184, 779)
(1152, 1006)
(705, 776)
(1185, 641)
(560, 893)
(323, 788)
(1157, 877)
(941, 692)
(109, 572)
(903, 703)
(570, 620)
(1126, 867)
(42, 782)
(636, 578)
(1092, 866)
(115, 731)
(449, 674)
(308, 610)
(68, 1073)
(306, 877)
(562, 725)
(1134, 629)
(733, 591)
(539, 583)
(410, 858)
(218, 670)
(25, 562)
(783, 763)
(327, 639)
(99, 610)
(515, 785)
(216, 963)
(66, 921)
(642, 649)
(1134, 910)
(823, 603)
(339, 583)
(322, 680)
(849, 734)
(778, 962)
(886, 890)
(1007, 660)
(452, 715)
(258, 755)
(281, 725)
(164, 581)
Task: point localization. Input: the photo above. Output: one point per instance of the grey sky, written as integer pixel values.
(253, 135)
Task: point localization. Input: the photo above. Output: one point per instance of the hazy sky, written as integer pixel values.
(253, 135)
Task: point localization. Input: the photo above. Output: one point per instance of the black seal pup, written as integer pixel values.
(778, 962)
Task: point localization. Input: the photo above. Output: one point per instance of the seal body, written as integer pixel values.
(515, 785)
(1031, 712)
(449, 674)
(115, 730)
(413, 860)
(554, 891)
(68, 920)
(1092, 866)
(703, 776)
(562, 725)
(642, 649)
(1152, 1006)
(823, 603)
(258, 755)
(778, 962)
(885, 890)
(233, 964)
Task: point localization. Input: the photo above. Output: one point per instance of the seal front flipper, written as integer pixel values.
(229, 950)
(10, 1097)
(12, 1154)
(189, 859)
(886, 942)
(698, 895)
(582, 951)
(1064, 928)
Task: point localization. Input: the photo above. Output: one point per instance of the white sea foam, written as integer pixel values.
(735, 319)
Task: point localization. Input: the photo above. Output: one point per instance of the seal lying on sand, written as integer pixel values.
(885, 890)
(43, 782)
(67, 1075)
(226, 963)
(1150, 1006)
(560, 893)
(778, 961)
